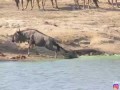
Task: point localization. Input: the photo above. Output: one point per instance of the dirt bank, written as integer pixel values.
(97, 30)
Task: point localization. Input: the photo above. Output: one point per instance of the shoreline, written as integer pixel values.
(25, 57)
(34, 59)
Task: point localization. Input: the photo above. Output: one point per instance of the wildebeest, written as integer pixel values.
(36, 38)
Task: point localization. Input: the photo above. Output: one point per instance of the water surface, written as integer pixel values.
(84, 73)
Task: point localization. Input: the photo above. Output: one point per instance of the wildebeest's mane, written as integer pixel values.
(28, 29)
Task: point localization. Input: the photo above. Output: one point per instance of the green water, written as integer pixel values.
(83, 73)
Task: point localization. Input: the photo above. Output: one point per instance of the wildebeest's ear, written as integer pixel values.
(19, 31)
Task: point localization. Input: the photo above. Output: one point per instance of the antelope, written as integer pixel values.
(31, 1)
(18, 2)
(112, 1)
(52, 1)
(55, 3)
(77, 4)
(89, 1)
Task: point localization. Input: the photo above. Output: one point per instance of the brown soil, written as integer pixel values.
(95, 29)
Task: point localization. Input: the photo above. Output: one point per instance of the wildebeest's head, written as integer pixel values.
(18, 37)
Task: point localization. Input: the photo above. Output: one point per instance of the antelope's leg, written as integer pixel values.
(52, 3)
(17, 3)
(56, 4)
(75, 2)
(31, 4)
(117, 3)
(43, 4)
(109, 2)
(38, 3)
(96, 3)
(91, 1)
(84, 1)
(88, 4)
(22, 4)
(27, 4)
(112, 4)
(78, 4)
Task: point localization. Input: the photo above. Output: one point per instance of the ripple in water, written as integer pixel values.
(84, 73)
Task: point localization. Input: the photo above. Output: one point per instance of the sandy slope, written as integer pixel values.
(95, 28)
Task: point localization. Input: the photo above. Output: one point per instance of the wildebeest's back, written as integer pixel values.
(44, 40)
(40, 38)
